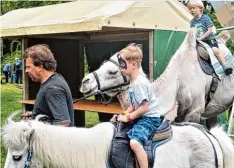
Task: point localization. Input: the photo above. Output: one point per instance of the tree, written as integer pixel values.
(213, 17)
(7, 6)
(11, 48)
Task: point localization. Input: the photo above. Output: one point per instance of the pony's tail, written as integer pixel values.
(226, 145)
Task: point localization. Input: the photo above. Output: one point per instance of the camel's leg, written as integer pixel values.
(211, 122)
(194, 116)
(197, 108)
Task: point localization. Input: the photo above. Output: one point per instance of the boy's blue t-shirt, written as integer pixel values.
(201, 25)
(141, 90)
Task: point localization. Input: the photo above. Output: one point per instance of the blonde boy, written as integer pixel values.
(142, 111)
(203, 25)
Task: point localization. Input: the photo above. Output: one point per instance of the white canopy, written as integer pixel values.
(80, 16)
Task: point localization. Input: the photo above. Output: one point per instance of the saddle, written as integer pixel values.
(205, 63)
(204, 59)
(121, 154)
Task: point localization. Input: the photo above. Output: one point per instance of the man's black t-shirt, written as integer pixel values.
(54, 99)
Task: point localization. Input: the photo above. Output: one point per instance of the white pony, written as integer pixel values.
(64, 147)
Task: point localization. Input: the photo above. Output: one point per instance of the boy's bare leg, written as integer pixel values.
(219, 55)
(140, 153)
(227, 70)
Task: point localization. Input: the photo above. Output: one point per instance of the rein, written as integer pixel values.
(101, 91)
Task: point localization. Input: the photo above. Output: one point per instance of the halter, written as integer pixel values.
(30, 152)
(102, 90)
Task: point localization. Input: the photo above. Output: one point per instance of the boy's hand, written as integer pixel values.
(27, 115)
(199, 39)
(122, 118)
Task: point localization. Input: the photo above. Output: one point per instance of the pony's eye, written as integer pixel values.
(17, 158)
(112, 72)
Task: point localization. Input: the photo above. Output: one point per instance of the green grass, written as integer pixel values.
(10, 94)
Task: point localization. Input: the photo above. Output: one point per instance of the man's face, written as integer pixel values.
(33, 71)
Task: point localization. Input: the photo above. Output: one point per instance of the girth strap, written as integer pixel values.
(213, 88)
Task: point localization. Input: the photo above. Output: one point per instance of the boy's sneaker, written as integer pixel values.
(227, 70)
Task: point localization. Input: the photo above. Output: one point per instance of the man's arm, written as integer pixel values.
(57, 103)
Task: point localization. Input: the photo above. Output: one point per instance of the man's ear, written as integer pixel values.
(40, 68)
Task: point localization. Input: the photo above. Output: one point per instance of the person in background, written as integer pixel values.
(7, 71)
(18, 70)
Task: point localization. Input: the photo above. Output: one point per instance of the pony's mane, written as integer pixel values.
(88, 146)
(13, 133)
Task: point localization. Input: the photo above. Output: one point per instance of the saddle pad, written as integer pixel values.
(229, 59)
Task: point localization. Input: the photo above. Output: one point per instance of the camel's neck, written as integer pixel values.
(166, 89)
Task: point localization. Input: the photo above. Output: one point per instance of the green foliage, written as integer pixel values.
(14, 53)
(213, 17)
(10, 94)
(7, 6)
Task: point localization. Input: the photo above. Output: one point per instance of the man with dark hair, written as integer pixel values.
(54, 98)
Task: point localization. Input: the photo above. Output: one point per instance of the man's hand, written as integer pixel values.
(122, 118)
(27, 115)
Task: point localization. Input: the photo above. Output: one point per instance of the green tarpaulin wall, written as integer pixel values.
(96, 53)
(165, 45)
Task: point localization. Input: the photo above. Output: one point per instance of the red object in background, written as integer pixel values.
(232, 5)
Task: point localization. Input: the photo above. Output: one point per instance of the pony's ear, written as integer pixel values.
(28, 133)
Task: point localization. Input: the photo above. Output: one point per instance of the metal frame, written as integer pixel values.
(231, 122)
(231, 119)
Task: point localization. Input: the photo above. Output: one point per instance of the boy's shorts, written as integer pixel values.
(143, 128)
(212, 43)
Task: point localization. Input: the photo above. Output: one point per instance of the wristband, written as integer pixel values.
(129, 118)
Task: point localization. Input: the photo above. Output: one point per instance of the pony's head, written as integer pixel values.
(17, 137)
(107, 79)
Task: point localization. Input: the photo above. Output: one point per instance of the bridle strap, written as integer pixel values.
(117, 64)
(97, 79)
(126, 82)
(30, 152)
(100, 90)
